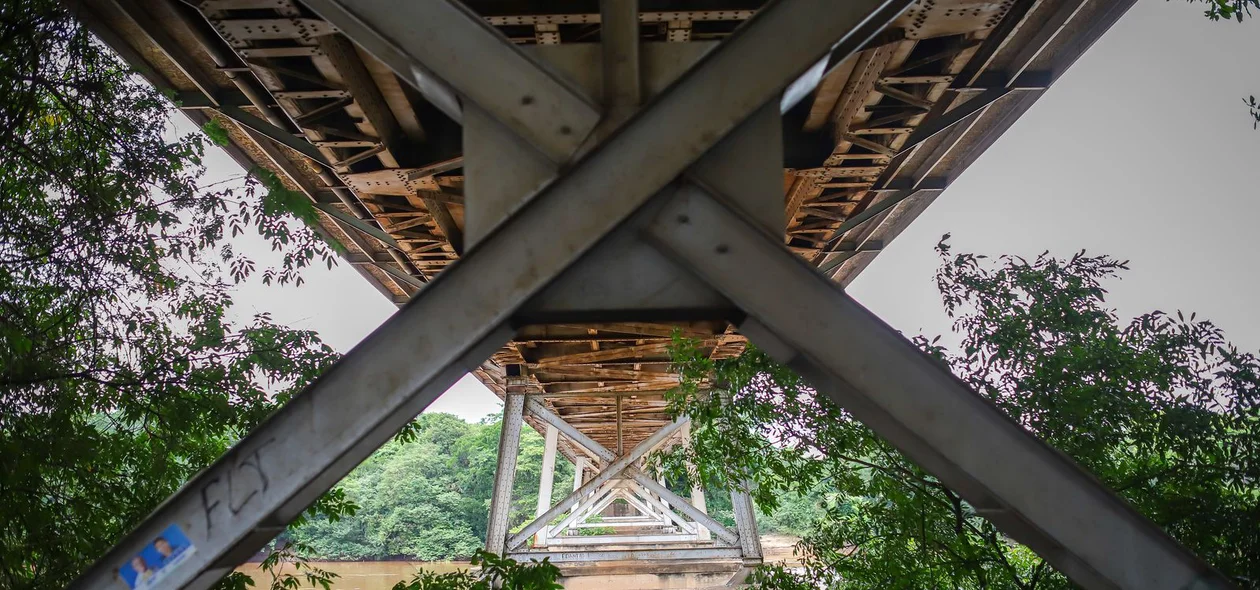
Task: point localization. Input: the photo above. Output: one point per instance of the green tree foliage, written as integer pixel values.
(495, 572)
(1228, 9)
(426, 495)
(1237, 10)
(120, 373)
(1161, 408)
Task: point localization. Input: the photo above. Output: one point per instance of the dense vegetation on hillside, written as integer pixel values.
(428, 498)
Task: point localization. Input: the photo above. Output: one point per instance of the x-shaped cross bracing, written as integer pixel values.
(615, 467)
(1033, 493)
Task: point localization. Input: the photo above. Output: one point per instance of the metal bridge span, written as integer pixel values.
(556, 189)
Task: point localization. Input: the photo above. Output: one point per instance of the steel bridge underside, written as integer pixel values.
(865, 149)
(897, 121)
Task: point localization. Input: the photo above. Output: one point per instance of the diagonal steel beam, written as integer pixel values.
(685, 507)
(350, 222)
(1033, 493)
(934, 125)
(663, 508)
(276, 134)
(613, 470)
(875, 209)
(537, 408)
(585, 508)
(242, 501)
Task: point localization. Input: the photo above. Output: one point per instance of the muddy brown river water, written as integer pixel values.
(382, 575)
(361, 575)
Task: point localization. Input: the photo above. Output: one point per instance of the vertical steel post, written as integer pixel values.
(619, 38)
(620, 440)
(697, 492)
(505, 474)
(746, 524)
(546, 478)
(741, 505)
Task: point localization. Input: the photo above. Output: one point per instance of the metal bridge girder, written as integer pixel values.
(247, 497)
(1035, 494)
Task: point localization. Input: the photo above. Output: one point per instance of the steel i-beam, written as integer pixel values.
(460, 319)
(1032, 492)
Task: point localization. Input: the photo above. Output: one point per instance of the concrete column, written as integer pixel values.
(546, 478)
(664, 503)
(697, 493)
(579, 469)
(579, 474)
(505, 474)
(697, 500)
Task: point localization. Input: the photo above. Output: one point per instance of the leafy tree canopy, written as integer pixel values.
(495, 572)
(120, 373)
(1161, 408)
(1228, 9)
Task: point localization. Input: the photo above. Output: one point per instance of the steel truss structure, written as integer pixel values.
(671, 184)
(912, 109)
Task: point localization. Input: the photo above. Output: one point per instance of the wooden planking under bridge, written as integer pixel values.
(909, 112)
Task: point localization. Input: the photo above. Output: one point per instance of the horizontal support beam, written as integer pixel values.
(612, 471)
(602, 373)
(621, 539)
(641, 328)
(670, 16)
(564, 557)
(605, 522)
(607, 354)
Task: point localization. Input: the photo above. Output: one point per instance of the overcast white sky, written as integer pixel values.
(1143, 150)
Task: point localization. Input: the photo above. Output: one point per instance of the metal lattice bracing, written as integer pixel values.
(611, 186)
(867, 151)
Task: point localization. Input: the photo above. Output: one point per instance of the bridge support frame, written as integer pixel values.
(606, 192)
(505, 474)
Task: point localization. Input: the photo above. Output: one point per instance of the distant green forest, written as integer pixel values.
(426, 495)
